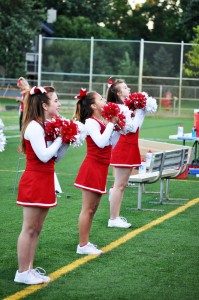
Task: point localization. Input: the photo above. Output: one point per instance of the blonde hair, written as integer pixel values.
(23, 83)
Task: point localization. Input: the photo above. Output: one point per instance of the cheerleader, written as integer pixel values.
(93, 172)
(36, 191)
(125, 155)
(23, 85)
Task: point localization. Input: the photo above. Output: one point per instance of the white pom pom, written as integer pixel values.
(151, 105)
(2, 137)
(2, 141)
(1, 125)
(81, 136)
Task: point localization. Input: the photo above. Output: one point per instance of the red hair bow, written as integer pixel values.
(19, 82)
(37, 89)
(110, 82)
(82, 93)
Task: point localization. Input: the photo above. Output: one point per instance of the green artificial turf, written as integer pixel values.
(161, 262)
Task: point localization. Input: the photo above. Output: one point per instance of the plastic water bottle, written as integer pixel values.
(180, 130)
(193, 133)
(148, 158)
(142, 167)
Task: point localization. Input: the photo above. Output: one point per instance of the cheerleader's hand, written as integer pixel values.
(114, 120)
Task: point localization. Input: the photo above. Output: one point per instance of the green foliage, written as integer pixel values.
(191, 67)
(189, 18)
(163, 63)
(74, 57)
(19, 24)
(80, 27)
(96, 11)
(103, 19)
(66, 56)
(127, 65)
(164, 15)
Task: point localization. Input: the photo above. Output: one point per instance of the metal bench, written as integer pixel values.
(153, 175)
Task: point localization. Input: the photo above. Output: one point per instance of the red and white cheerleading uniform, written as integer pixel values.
(126, 153)
(93, 172)
(36, 187)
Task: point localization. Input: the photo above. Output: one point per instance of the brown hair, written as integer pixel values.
(112, 95)
(33, 109)
(83, 108)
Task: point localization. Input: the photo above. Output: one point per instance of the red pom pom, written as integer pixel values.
(121, 122)
(110, 110)
(68, 131)
(135, 100)
(52, 128)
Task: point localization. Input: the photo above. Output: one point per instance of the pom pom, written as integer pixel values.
(120, 123)
(1, 125)
(72, 132)
(141, 101)
(81, 136)
(69, 131)
(111, 110)
(2, 142)
(136, 101)
(2, 137)
(151, 105)
(52, 128)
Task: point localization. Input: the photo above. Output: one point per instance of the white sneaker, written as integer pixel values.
(27, 277)
(88, 249)
(40, 273)
(119, 222)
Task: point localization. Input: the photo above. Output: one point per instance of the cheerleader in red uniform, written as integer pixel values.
(23, 85)
(125, 155)
(36, 191)
(93, 172)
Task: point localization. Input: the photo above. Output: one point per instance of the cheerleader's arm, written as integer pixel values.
(141, 115)
(93, 129)
(35, 134)
(137, 121)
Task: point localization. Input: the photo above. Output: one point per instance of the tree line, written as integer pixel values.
(20, 24)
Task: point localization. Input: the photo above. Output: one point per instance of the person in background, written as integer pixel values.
(23, 85)
(36, 191)
(93, 172)
(125, 155)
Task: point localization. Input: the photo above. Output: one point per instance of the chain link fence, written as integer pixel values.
(154, 67)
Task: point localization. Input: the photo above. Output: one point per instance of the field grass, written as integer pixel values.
(156, 259)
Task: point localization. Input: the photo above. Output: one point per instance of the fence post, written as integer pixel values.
(39, 61)
(160, 99)
(91, 63)
(141, 65)
(180, 82)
